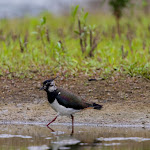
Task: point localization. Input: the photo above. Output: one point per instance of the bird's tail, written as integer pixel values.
(97, 106)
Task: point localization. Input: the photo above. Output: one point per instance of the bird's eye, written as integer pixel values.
(47, 84)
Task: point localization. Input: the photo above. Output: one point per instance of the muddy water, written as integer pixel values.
(39, 137)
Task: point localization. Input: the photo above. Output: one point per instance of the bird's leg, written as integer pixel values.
(72, 117)
(50, 129)
(52, 121)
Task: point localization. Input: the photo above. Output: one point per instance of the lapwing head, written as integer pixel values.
(49, 85)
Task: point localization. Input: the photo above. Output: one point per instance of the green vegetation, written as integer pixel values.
(52, 44)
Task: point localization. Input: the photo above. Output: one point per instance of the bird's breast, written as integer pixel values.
(62, 110)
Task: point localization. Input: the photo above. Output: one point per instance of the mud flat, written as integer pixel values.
(125, 100)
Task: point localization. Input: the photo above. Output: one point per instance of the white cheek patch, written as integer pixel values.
(52, 88)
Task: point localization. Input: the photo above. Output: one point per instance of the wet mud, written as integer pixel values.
(125, 100)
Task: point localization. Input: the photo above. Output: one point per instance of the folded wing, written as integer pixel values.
(70, 100)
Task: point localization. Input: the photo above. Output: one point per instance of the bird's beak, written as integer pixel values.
(42, 88)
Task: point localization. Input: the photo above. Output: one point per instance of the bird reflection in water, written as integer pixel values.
(64, 142)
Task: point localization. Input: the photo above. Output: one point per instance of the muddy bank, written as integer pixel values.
(125, 100)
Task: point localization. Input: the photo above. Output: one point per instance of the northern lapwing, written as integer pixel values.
(65, 102)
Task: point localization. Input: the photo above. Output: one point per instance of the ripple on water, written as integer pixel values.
(12, 136)
(137, 139)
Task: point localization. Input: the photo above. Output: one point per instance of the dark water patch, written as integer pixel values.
(36, 137)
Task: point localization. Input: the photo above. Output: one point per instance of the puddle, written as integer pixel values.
(39, 137)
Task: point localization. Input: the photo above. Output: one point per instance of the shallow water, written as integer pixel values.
(39, 137)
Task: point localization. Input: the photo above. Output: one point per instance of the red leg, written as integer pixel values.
(52, 121)
(50, 129)
(72, 117)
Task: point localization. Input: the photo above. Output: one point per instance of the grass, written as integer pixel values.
(44, 45)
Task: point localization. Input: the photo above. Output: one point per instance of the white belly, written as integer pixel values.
(63, 110)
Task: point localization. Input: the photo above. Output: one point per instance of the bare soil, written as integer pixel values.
(125, 100)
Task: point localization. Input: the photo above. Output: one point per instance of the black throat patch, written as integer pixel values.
(52, 96)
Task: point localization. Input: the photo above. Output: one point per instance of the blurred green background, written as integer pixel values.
(91, 37)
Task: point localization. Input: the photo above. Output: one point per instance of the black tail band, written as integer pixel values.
(97, 106)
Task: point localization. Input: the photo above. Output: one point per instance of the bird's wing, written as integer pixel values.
(70, 100)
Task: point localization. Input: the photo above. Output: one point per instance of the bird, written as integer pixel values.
(64, 102)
